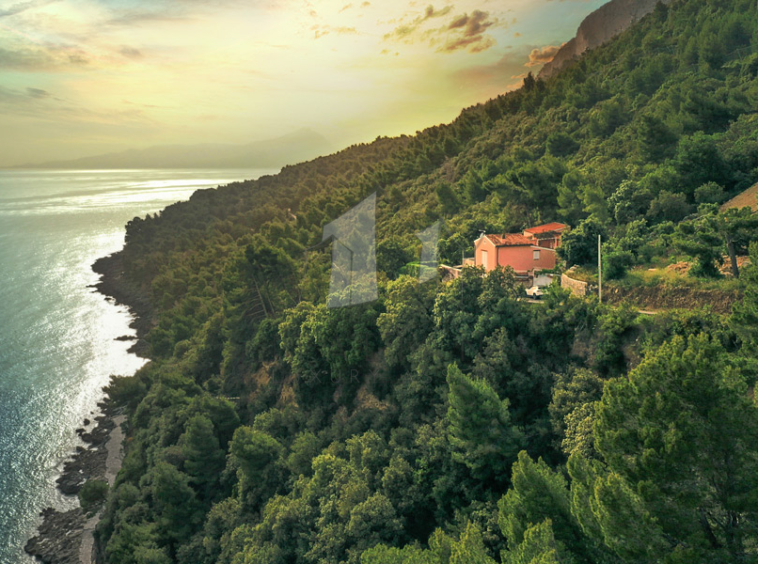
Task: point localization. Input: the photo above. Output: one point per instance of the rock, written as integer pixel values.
(87, 422)
(126, 338)
(599, 27)
(70, 483)
(59, 537)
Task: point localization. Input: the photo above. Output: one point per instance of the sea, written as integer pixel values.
(58, 343)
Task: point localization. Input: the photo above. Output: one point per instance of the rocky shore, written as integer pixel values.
(68, 537)
(114, 284)
(59, 538)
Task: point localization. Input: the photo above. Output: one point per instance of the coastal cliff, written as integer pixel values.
(599, 27)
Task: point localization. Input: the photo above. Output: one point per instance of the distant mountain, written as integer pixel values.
(600, 26)
(302, 145)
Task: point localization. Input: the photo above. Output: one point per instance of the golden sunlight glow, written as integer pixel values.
(83, 77)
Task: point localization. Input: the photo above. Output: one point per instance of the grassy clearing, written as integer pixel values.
(660, 276)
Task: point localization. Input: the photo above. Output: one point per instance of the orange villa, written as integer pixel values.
(527, 253)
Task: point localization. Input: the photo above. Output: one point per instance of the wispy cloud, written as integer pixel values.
(35, 58)
(41, 104)
(127, 18)
(23, 6)
(130, 52)
(323, 30)
(37, 92)
(25, 59)
(498, 76)
(405, 30)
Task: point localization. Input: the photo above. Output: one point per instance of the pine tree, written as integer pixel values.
(203, 458)
(683, 432)
(481, 431)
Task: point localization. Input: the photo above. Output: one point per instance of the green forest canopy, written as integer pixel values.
(454, 423)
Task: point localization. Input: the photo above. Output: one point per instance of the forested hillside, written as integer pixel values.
(454, 423)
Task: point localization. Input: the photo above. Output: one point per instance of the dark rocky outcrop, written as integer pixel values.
(87, 462)
(114, 284)
(59, 537)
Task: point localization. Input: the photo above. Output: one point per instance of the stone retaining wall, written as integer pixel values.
(577, 287)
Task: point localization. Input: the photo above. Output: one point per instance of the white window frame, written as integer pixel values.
(536, 254)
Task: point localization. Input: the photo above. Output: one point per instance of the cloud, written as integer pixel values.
(543, 55)
(131, 52)
(323, 30)
(78, 57)
(469, 33)
(25, 59)
(37, 92)
(37, 104)
(497, 77)
(475, 44)
(403, 31)
(463, 32)
(133, 17)
(345, 7)
(10, 95)
(140, 11)
(23, 6)
(431, 12)
(34, 58)
(13, 97)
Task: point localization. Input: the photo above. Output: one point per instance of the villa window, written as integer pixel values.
(536, 255)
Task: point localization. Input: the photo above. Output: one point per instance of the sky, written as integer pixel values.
(85, 77)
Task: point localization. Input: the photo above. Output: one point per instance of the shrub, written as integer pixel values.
(616, 264)
(92, 494)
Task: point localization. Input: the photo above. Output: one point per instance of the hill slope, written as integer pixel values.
(748, 198)
(455, 423)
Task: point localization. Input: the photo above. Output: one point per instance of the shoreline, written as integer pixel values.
(113, 285)
(60, 537)
(68, 537)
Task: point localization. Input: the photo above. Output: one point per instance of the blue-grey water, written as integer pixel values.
(57, 347)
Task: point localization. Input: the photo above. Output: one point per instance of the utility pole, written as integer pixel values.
(599, 271)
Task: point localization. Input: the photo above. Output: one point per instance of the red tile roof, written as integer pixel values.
(546, 228)
(510, 240)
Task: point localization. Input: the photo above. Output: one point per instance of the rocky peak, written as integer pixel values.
(600, 26)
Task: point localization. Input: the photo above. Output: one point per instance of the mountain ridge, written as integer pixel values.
(298, 146)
